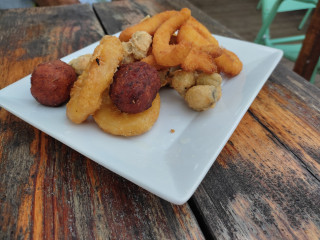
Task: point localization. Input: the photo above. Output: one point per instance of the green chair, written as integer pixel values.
(290, 45)
(315, 71)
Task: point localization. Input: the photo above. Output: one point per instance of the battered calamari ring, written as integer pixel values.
(152, 61)
(164, 53)
(194, 32)
(204, 36)
(150, 25)
(199, 60)
(204, 47)
(96, 78)
(111, 120)
(229, 63)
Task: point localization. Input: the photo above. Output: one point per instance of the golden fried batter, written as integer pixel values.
(195, 32)
(137, 47)
(229, 63)
(141, 42)
(170, 54)
(182, 81)
(150, 25)
(202, 97)
(213, 79)
(97, 77)
(204, 47)
(80, 63)
(111, 120)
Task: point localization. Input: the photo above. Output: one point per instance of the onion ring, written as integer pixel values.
(203, 36)
(96, 78)
(111, 120)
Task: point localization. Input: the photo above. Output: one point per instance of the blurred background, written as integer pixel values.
(242, 17)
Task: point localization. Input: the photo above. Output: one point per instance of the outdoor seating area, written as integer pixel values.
(152, 119)
(290, 44)
(282, 26)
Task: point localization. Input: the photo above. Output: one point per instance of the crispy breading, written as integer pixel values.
(149, 25)
(80, 63)
(97, 77)
(167, 54)
(111, 120)
(229, 63)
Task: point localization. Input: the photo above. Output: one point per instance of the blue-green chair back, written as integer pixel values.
(291, 45)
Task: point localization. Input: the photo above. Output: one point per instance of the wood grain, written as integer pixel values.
(265, 183)
(43, 3)
(118, 15)
(47, 190)
(42, 35)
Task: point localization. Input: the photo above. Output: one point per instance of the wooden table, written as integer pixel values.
(264, 184)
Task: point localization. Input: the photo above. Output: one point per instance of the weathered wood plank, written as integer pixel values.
(293, 115)
(43, 3)
(118, 15)
(48, 190)
(33, 35)
(265, 183)
(272, 197)
(28, 37)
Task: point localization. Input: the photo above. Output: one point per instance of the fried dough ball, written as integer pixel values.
(202, 97)
(181, 81)
(51, 83)
(213, 79)
(80, 63)
(134, 87)
(111, 120)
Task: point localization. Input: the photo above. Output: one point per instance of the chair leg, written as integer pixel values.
(305, 18)
(267, 22)
(259, 5)
(315, 71)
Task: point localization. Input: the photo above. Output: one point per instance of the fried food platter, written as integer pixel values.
(172, 158)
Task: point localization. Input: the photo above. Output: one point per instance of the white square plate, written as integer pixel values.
(170, 165)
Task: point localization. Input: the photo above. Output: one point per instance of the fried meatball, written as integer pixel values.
(51, 83)
(134, 87)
